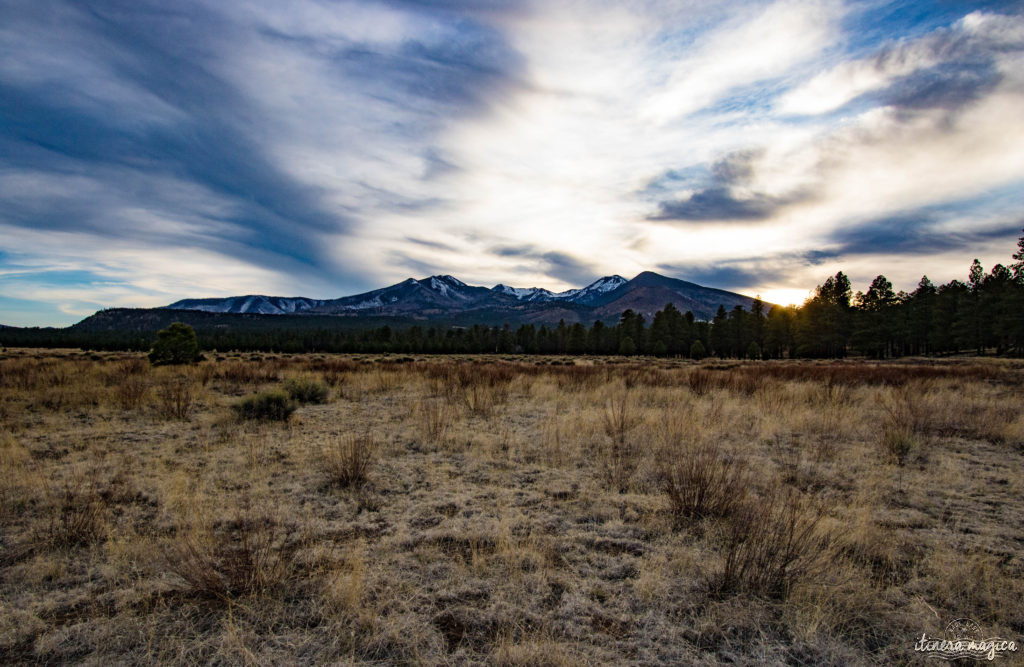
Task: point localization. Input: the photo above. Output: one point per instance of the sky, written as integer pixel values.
(152, 151)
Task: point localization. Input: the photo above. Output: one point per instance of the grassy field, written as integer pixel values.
(505, 510)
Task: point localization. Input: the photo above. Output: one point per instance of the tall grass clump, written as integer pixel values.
(702, 481)
(271, 405)
(348, 460)
(771, 544)
(620, 457)
(307, 389)
(175, 396)
(77, 517)
(250, 554)
(902, 424)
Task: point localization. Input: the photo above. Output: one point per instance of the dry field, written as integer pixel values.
(505, 510)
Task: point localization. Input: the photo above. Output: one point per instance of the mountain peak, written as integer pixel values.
(444, 295)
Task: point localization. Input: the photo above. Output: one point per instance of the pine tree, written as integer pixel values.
(177, 344)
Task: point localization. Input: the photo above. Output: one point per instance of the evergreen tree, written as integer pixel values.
(177, 344)
(720, 333)
(577, 341)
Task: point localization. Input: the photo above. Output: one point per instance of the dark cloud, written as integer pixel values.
(568, 268)
(137, 99)
(965, 68)
(437, 165)
(514, 251)
(462, 72)
(430, 244)
(728, 276)
(420, 268)
(948, 86)
(715, 197)
(560, 265)
(717, 204)
(914, 233)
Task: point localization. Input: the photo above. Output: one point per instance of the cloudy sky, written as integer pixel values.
(151, 151)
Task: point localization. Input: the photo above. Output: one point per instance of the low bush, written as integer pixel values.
(772, 543)
(175, 396)
(272, 405)
(77, 517)
(307, 389)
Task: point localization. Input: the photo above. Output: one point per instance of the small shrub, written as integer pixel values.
(272, 405)
(307, 389)
(479, 399)
(771, 543)
(620, 456)
(175, 396)
(702, 482)
(348, 460)
(433, 419)
(131, 390)
(903, 421)
(700, 381)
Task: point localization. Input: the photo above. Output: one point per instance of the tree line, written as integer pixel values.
(984, 314)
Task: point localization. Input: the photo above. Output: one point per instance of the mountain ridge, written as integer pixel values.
(444, 296)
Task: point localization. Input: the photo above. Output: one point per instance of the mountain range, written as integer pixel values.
(445, 297)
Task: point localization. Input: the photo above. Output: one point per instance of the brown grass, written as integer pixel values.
(347, 460)
(505, 509)
(703, 481)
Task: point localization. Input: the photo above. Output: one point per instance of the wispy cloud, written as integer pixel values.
(150, 152)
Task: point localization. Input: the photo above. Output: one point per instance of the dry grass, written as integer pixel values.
(250, 554)
(348, 460)
(505, 510)
(702, 481)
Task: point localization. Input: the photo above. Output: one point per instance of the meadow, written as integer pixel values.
(504, 509)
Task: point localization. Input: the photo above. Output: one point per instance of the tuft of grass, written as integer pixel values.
(251, 554)
(76, 518)
(702, 481)
(620, 456)
(271, 405)
(348, 460)
(175, 396)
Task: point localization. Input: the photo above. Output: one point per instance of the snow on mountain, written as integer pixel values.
(579, 295)
(445, 294)
(253, 303)
(524, 293)
(448, 286)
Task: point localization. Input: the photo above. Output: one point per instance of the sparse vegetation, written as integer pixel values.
(504, 509)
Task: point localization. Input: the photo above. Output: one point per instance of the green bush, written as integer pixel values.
(273, 405)
(307, 389)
